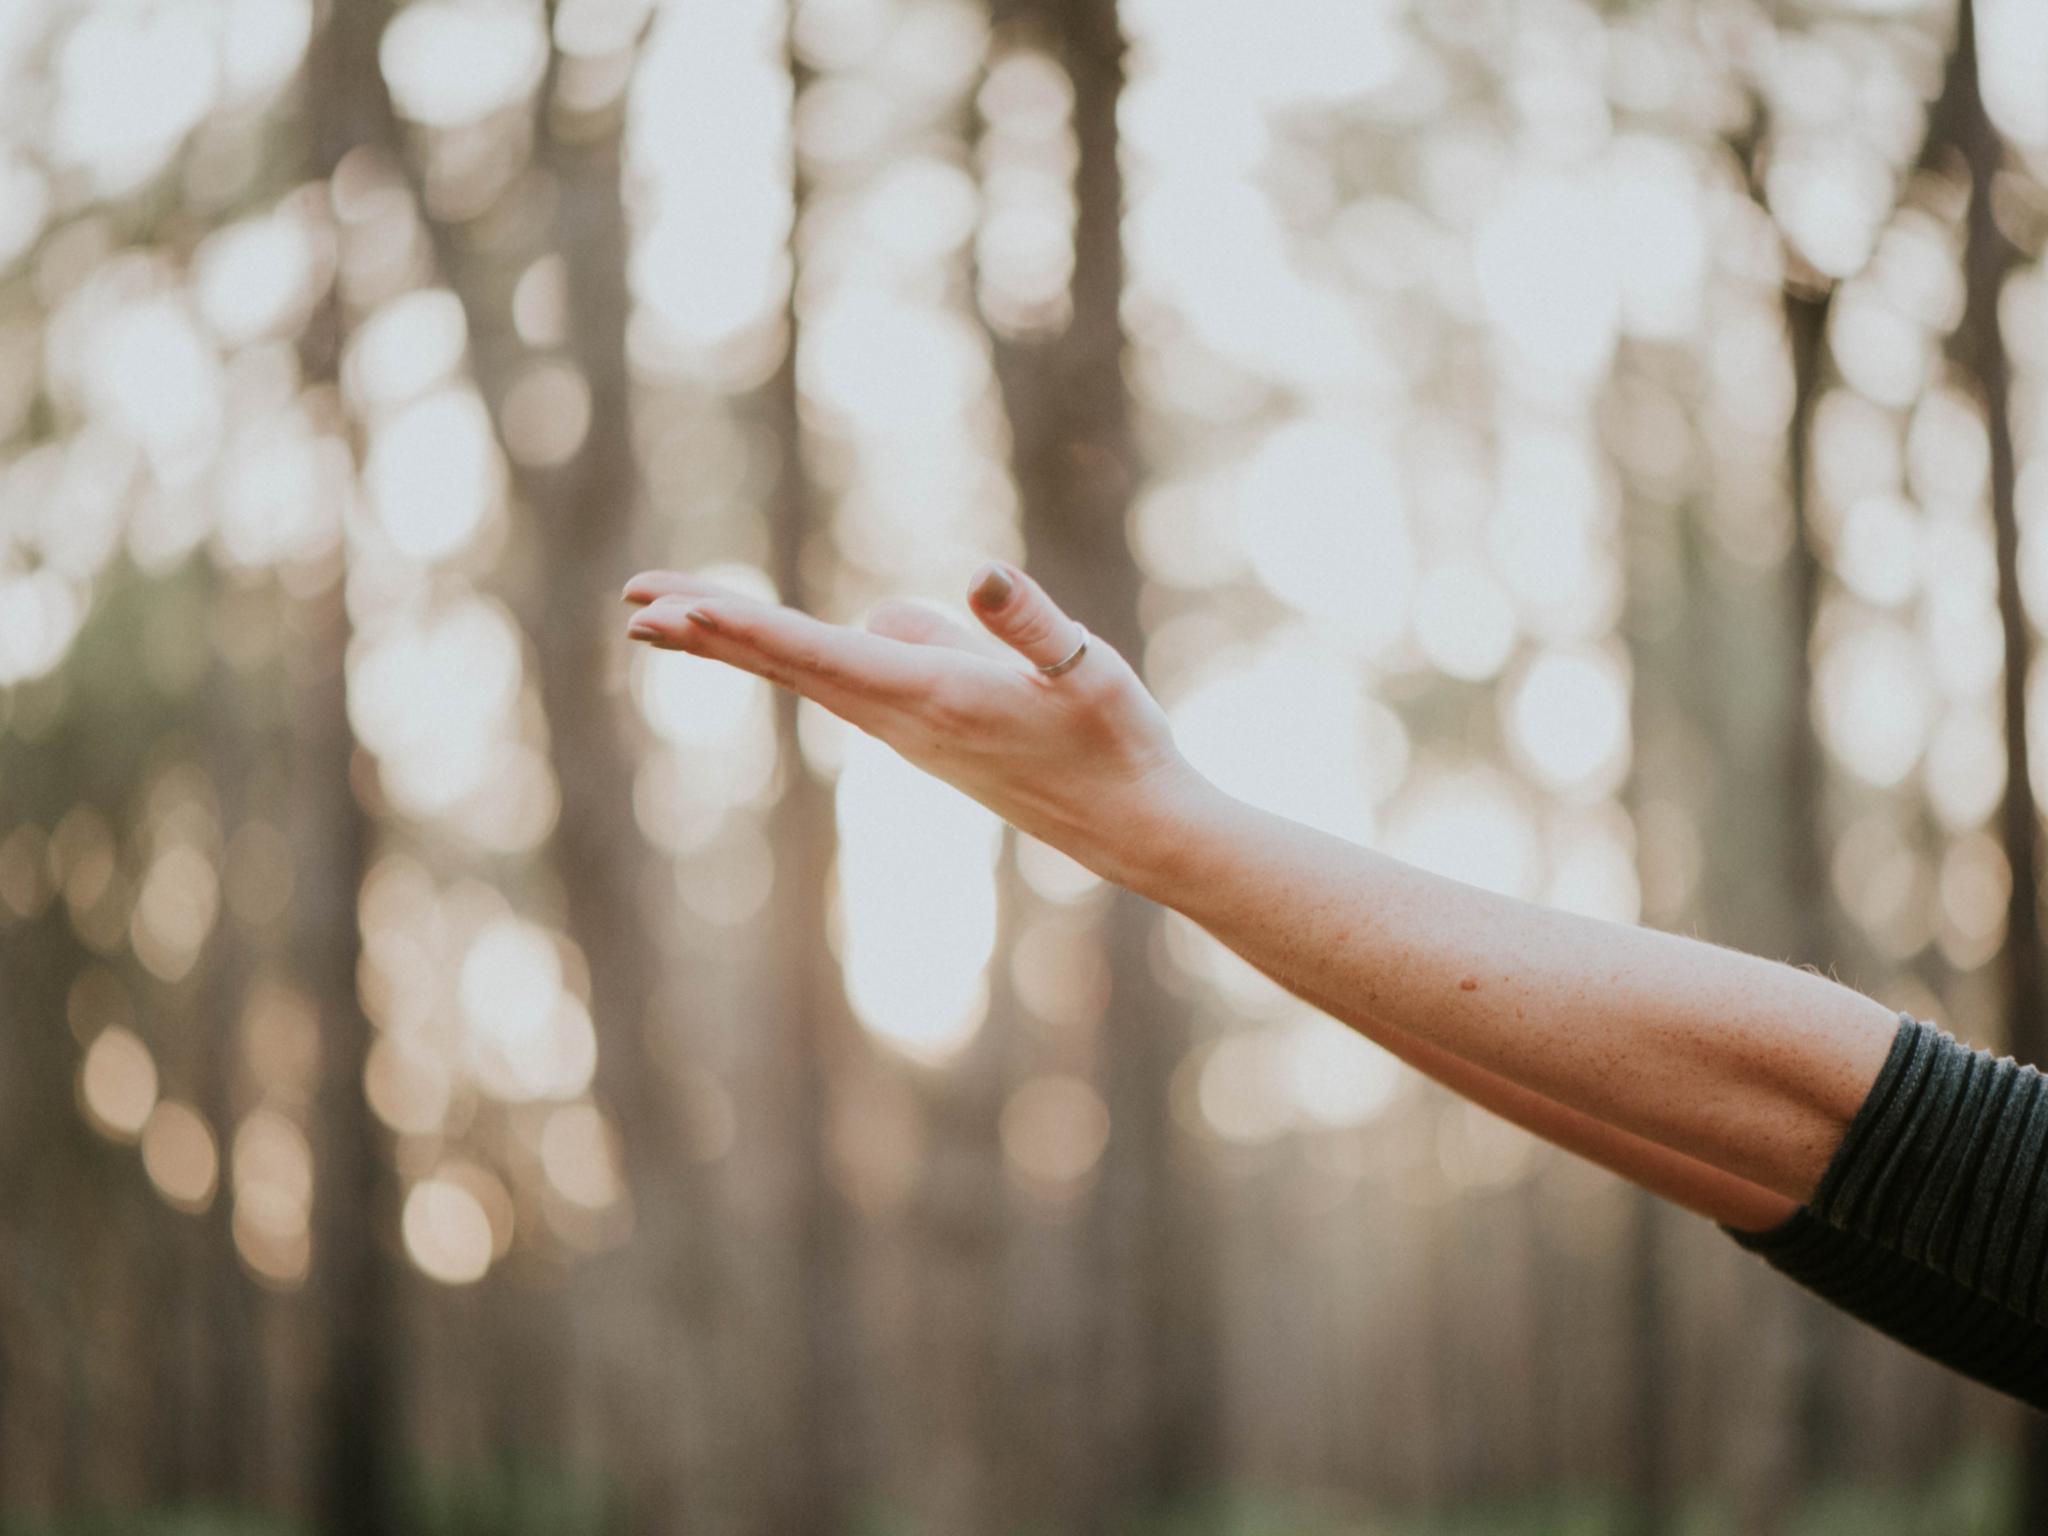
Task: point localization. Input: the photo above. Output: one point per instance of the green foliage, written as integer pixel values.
(1977, 1494)
(1558, 1514)
(179, 1522)
(514, 1496)
(1973, 1495)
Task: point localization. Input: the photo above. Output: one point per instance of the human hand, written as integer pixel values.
(1085, 761)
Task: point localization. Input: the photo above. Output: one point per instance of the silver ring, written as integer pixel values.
(1069, 660)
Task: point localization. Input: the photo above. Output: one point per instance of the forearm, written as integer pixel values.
(1747, 1065)
(1685, 1181)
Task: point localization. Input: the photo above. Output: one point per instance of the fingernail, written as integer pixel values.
(992, 588)
(699, 616)
(657, 619)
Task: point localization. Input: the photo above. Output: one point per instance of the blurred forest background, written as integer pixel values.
(459, 1075)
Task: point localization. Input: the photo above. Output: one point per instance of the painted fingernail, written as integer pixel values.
(993, 587)
(699, 616)
(655, 620)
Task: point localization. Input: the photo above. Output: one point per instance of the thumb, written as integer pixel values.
(1015, 609)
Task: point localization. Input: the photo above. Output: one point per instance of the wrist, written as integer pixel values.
(1146, 840)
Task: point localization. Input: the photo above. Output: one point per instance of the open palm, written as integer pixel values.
(1084, 760)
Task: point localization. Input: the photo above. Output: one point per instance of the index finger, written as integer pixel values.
(801, 647)
(652, 586)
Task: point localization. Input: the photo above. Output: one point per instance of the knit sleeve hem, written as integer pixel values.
(1862, 1125)
(1930, 1220)
(1942, 1164)
(1878, 1117)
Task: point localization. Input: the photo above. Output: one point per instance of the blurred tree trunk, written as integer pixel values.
(1978, 349)
(355, 1204)
(22, 988)
(956, 1228)
(581, 513)
(1745, 764)
(355, 1227)
(355, 1218)
(1807, 299)
(1957, 129)
(83, 1311)
(1808, 1334)
(813, 1039)
(28, 992)
(582, 516)
(1154, 1434)
(1660, 606)
(1961, 145)
(233, 1442)
(967, 1424)
(808, 1035)
(1648, 1450)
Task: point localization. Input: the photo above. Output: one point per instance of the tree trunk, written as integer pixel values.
(1154, 1435)
(1978, 349)
(1660, 604)
(355, 1217)
(1810, 1336)
(1648, 1451)
(581, 521)
(809, 1033)
(230, 1360)
(354, 1232)
(583, 517)
(1807, 301)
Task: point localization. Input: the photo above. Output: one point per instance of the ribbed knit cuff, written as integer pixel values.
(1917, 1306)
(1860, 1130)
(1943, 1163)
(1930, 1221)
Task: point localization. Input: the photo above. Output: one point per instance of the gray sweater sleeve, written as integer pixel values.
(1930, 1221)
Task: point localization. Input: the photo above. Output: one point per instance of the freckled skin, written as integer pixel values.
(1719, 1080)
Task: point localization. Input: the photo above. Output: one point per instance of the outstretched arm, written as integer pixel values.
(1699, 1187)
(1750, 1066)
(1675, 1060)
